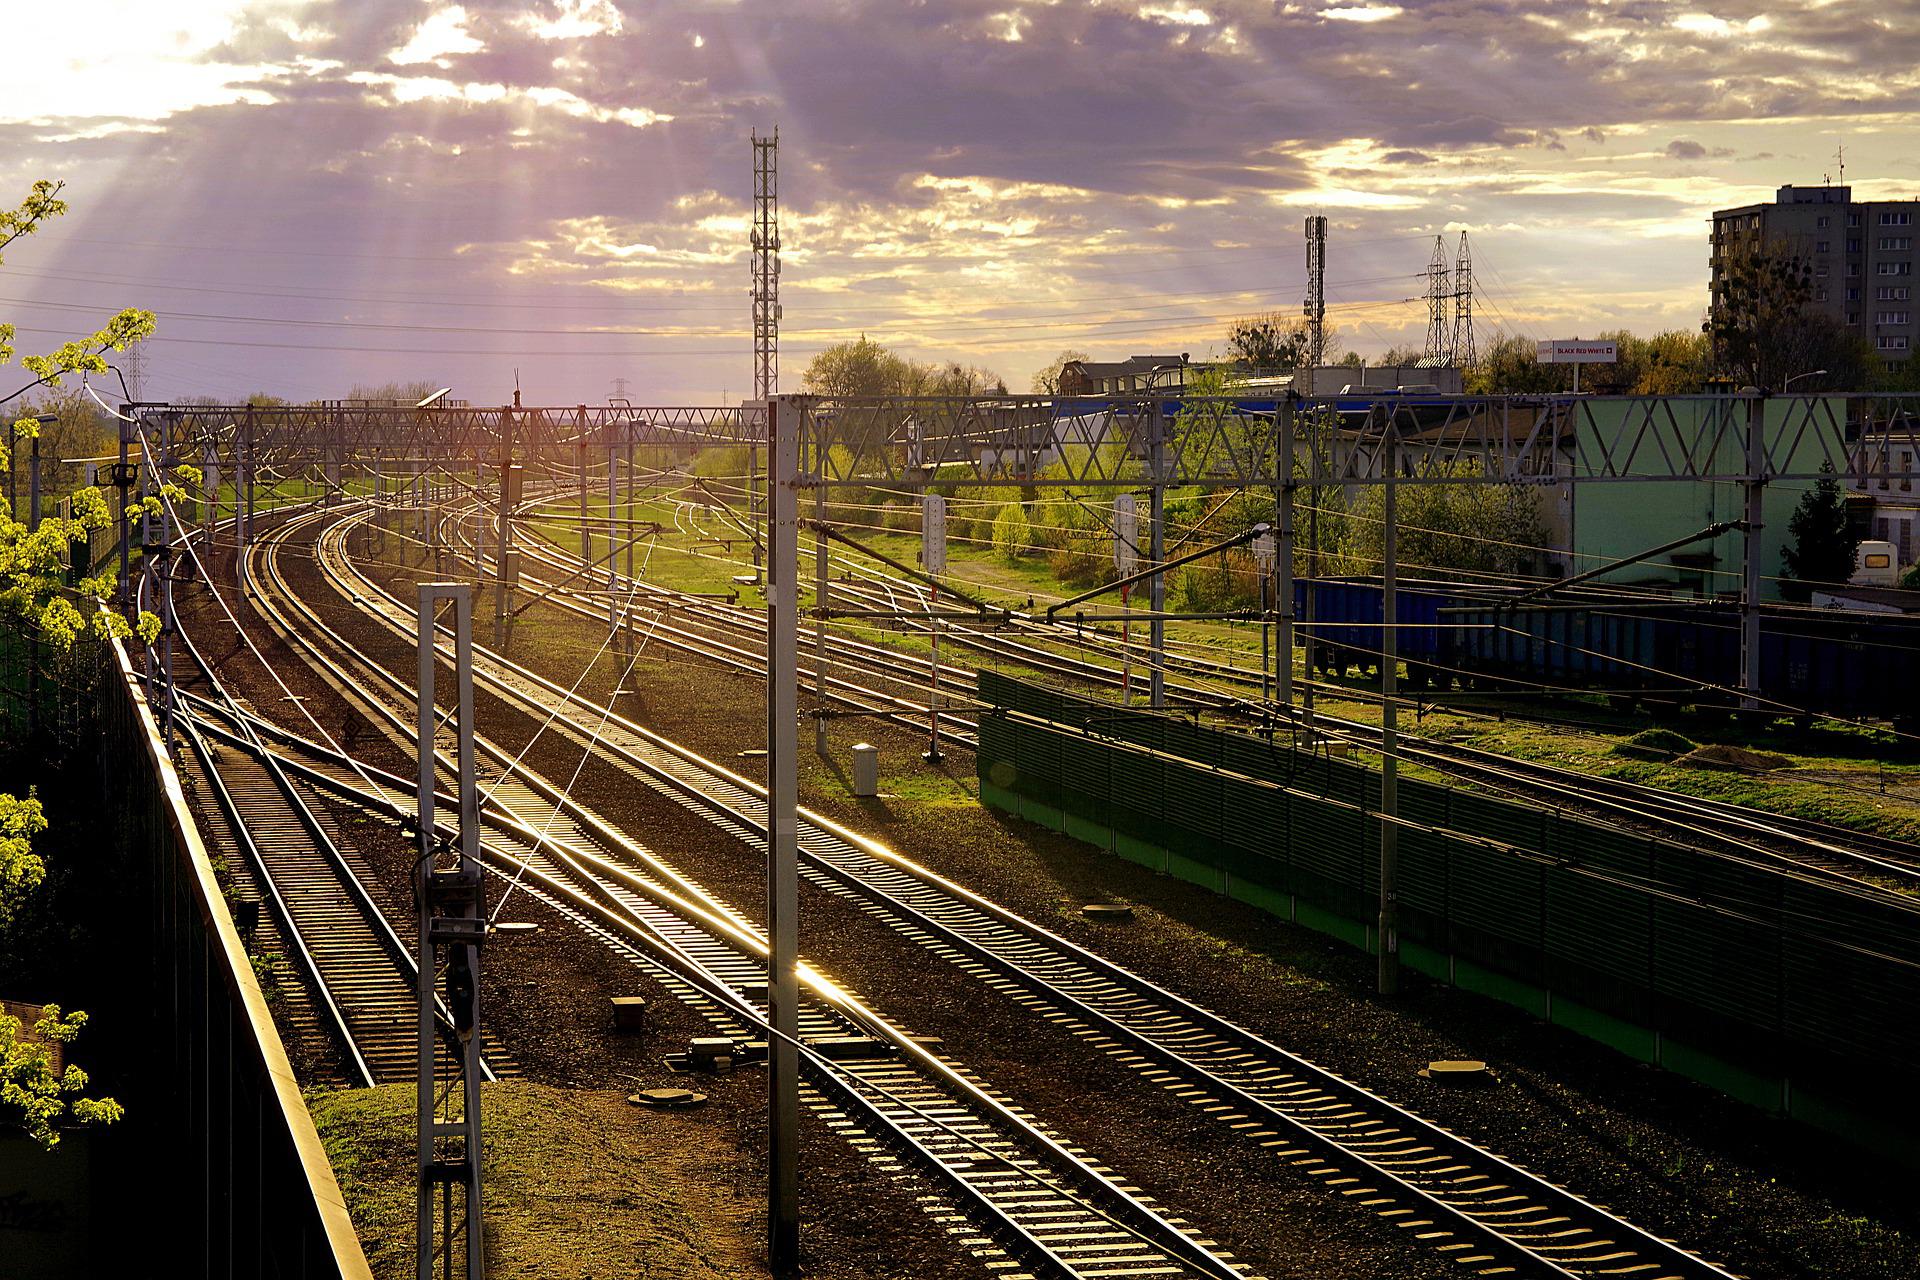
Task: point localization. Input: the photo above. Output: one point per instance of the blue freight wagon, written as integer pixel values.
(1660, 653)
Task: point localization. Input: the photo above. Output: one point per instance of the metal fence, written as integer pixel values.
(1805, 980)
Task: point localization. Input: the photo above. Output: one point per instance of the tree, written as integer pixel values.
(1509, 366)
(33, 594)
(1046, 381)
(1824, 545)
(860, 368)
(1483, 528)
(1764, 327)
(1271, 341)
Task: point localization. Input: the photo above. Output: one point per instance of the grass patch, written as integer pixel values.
(1653, 744)
(576, 1183)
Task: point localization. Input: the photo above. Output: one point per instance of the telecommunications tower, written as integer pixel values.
(1316, 304)
(1438, 295)
(1463, 352)
(766, 265)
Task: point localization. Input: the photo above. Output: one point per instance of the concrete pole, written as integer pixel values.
(1756, 492)
(626, 509)
(580, 461)
(783, 830)
(503, 530)
(1283, 567)
(1157, 552)
(821, 589)
(1389, 925)
(613, 603)
(243, 499)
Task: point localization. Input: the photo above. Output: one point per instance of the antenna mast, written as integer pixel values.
(765, 243)
(1438, 295)
(1316, 304)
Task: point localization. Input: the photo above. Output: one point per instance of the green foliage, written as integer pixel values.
(1765, 327)
(865, 368)
(1823, 544)
(1910, 580)
(32, 1094)
(21, 869)
(1271, 341)
(1012, 532)
(1472, 527)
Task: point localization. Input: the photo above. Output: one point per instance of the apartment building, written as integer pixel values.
(1862, 255)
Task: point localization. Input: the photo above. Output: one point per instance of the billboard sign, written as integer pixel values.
(1576, 351)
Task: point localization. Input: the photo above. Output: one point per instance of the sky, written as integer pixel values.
(318, 195)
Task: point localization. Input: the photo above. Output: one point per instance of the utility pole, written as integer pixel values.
(1463, 351)
(1315, 307)
(452, 923)
(1756, 493)
(1438, 295)
(764, 259)
(1389, 924)
(785, 421)
(1157, 552)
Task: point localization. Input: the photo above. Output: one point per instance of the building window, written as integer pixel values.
(1892, 293)
(1853, 317)
(1819, 295)
(1823, 246)
(1892, 317)
(1853, 219)
(1821, 223)
(1896, 269)
(1895, 243)
(1821, 271)
(1853, 244)
(1896, 219)
(1853, 295)
(1891, 342)
(1853, 269)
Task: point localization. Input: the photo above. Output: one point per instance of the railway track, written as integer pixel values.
(1482, 1212)
(357, 978)
(1782, 842)
(1044, 1200)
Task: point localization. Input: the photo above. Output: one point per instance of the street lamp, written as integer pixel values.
(1811, 373)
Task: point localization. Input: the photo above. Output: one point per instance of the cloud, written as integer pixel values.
(1109, 171)
(443, 32)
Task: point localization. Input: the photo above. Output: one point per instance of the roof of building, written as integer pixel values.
(1132, 364)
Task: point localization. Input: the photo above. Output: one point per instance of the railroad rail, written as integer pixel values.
(1483, 1212)
(1051, 1203)
(1781, 842)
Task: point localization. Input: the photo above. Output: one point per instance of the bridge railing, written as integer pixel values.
(243, 1186)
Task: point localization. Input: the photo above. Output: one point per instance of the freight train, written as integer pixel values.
(1655, 652)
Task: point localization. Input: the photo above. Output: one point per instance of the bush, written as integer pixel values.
(1012, 533)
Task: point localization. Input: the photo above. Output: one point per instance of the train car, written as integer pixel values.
(1346, 634)
(1663, 654)
(1688, 653)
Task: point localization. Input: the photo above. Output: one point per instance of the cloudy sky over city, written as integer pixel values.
(313, 195)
